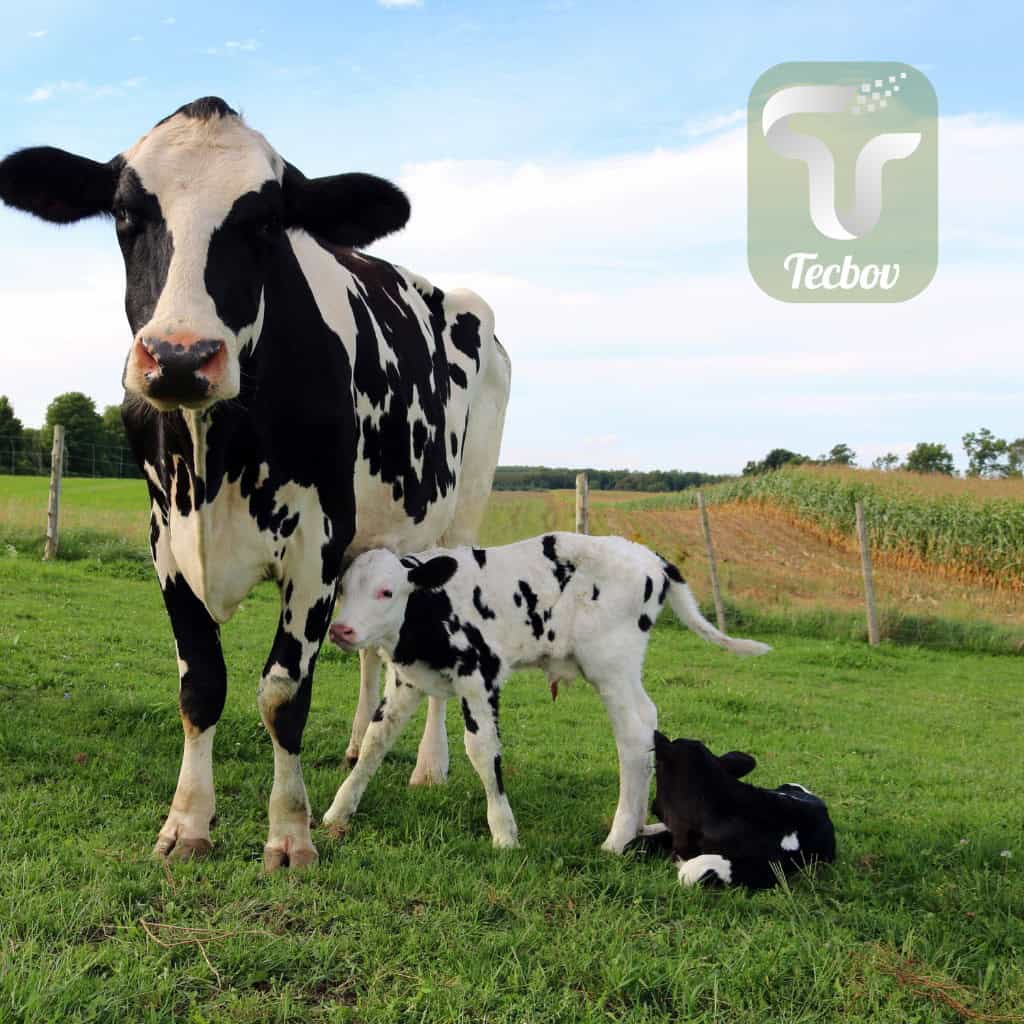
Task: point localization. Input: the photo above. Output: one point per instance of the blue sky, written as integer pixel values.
(582, 166)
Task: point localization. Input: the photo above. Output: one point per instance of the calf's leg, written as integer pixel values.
(483, 745)
(432, 757)
(369, 697)
(399, 702)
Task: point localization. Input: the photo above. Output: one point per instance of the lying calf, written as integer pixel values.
(724, 831)
(457, 623)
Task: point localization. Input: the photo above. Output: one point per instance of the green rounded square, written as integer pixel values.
(842, 181)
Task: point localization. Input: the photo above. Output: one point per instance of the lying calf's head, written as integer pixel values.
(726, 831)
(375, 591)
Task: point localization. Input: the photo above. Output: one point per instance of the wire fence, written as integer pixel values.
(19, 457)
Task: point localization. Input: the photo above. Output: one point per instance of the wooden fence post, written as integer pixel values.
(865, 564)
(53, 507)
(582, 503)
(712, 563)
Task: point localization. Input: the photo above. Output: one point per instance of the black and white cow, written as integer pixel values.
(291, 402)
(724, 831)
(456, 623)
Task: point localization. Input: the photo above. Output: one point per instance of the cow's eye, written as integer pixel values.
(126, 218)
(383, 595)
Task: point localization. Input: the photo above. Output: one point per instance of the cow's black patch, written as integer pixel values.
(596, 593)
(644, 622)
(533, 619)
(663, 593)
(202, 109)
(454, 443)
(478, 604)
(466, 336)
(497, 773)
(467, 717)
(551, 634)
(563, 571)
(481, 556)
(648, 589)
(671, 571)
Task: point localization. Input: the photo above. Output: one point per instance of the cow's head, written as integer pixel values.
(201, 204)
(375, 592)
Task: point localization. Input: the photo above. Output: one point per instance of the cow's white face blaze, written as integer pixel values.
(371, 608)
(198, 213)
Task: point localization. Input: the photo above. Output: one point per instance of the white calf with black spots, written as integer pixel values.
(456, 623)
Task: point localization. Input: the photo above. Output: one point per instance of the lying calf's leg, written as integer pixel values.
(396, 707)
(483, 746)
(634, 719)
(432, 757)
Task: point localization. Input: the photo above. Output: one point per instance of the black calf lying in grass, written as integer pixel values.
(723, 831)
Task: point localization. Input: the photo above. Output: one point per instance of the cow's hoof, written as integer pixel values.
(352, 760)
(297, 857)
(337, 831)
(172, 848)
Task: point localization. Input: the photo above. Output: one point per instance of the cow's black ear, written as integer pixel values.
(737, 764)
(344, 209)
(662, 744)
(435, 573)
(58, 186)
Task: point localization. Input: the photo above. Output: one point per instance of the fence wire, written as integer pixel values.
(19, 457)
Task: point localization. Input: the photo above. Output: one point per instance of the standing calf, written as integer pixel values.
(457, 623)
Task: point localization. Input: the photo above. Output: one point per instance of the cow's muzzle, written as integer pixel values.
(180, 369)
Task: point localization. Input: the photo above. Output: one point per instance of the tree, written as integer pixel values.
(840, 455)
(83, 432)
(983, 449)
(1015, 457)
(775, 459)
(926, 457)
(886, 462)
(113, 426)
(12, 455)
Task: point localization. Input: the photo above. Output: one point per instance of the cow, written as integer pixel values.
(726, 832)
(290, 400)
(457, 622)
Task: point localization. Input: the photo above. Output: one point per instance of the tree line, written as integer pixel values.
(987, 456)
(544, 478)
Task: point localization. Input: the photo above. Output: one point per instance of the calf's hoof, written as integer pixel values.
(428, 776)
(294, 857)
(352, 759)
(337, 831)
(173, 848)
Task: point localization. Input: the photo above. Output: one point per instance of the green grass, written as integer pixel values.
(416, 917)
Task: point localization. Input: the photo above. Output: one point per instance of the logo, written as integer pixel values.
(842, 182)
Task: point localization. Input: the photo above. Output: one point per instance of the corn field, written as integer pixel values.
(968, 535)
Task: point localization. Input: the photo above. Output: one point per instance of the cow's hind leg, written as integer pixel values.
(369, 698)
(483, 745)
(634, 719)
(397, 705)
(203, 686)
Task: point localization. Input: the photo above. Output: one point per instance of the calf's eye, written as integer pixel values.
(383, 595)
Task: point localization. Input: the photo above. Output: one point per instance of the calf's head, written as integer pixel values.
(202, 205)
(375, 592)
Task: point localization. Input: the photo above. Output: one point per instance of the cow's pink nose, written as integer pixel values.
(341, 634)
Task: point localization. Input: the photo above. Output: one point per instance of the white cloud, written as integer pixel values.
(135, 39)
(712, 123)
(81, 88)
(400, 3)
(169, 21)
(245, 44)
(38, 34)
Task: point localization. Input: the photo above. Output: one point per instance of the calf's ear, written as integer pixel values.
(737, 764)
(344, 209)
(435, 573)
(58, 186)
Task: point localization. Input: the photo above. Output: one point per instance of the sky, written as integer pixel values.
(583, 167)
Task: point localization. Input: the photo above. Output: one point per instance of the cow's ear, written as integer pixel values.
(662, 745)
(737, 764)
(435, 573)
(344, 209)
(58, 186)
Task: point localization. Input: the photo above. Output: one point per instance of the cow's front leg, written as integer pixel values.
(400, 700)
(284, 695)
(432, 756)
(203, 685)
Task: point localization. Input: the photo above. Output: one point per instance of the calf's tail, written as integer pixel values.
(680, 597)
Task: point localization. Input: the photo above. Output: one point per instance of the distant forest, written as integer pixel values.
(542, 478)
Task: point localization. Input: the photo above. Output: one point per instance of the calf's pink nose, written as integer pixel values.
(340, 633)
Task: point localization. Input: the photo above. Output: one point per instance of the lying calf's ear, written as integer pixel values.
(435, 573)
(737, 764)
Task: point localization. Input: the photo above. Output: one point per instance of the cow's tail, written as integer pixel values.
(680, 597)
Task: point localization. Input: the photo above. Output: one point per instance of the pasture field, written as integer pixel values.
(414, 916)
